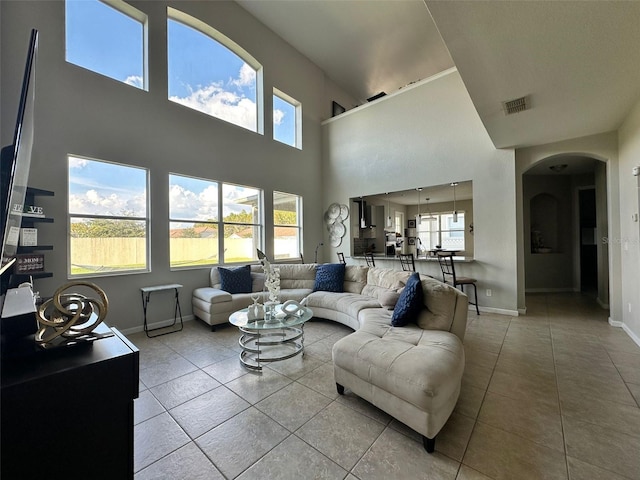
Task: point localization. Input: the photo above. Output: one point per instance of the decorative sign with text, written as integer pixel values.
(28, 210)
(29, 263)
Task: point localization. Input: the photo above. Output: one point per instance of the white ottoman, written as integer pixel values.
(412, 374)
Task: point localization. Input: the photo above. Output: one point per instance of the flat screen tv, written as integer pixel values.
(16, 160)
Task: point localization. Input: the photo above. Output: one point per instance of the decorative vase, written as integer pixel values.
(270, 311)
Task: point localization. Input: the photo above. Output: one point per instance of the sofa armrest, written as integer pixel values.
(459, 324)
(212, 295)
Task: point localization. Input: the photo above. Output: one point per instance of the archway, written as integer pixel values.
(565, 222)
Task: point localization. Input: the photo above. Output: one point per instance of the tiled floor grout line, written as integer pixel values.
(555, 376)
(484, 396)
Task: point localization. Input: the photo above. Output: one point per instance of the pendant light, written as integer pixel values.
(419, 215)
(388, 211)
(363, 222)
(430, 217)
(455, 212)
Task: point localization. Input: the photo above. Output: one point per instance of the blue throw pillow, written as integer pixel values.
(330, 277)
(235, 280)
(410, 302)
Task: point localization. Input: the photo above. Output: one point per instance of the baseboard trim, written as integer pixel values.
(151, 326)
(522, 311)
(499, 311)
(633, 336)
(615, 323)
(550, 290)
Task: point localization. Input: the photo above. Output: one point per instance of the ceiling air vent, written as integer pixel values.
(516, 105)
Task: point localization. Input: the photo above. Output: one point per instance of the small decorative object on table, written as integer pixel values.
(70, 318)
(256, 309)
(271, 277)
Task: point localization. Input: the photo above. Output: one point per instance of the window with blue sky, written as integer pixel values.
(200, 209)
(286, 119)
(108, 218)
(210, 73)
(107, 38)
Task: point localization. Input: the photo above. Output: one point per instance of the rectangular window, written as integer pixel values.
(108, 218)
(193, 222)
(287, 119)
(242, 222)
(109, 38)
(287, 225)
(440, 229)
(200, 209)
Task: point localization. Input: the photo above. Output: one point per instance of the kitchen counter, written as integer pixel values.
(391, 258)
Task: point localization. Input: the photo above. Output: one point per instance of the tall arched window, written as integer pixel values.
(211, 73)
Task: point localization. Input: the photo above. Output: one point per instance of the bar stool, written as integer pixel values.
(445, 259)
(407, 262)
(369, 259)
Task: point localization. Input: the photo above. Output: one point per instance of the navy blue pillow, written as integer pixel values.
(330, 277)
(410, 302)
(235, 280)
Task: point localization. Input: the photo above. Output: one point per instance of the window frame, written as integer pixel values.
(133, 13)
(215, 223)
(440, 219)
(220, 223)
(298, 226)
(297, 106)
(259, 236)
(146, 219)
(206, 29)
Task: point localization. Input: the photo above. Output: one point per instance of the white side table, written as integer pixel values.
(146, 294)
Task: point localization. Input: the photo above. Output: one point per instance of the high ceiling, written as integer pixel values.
(578, 62)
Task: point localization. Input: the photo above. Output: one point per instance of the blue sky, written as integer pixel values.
(203, 75)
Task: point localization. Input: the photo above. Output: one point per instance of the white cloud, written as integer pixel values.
(278, 116)
(135, 80)
(94, 203)
(246, 77)
(75, 162)
(186, 204)
(218, 101)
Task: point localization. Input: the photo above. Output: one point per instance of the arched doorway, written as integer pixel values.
(564, 199)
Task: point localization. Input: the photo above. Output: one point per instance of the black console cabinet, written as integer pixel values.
(68, 413)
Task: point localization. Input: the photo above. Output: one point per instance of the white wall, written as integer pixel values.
(84, 113)
(628, 242)
(430, 134)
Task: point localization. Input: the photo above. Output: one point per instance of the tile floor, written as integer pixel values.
(554, 394)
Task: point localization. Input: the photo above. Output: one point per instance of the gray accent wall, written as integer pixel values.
(83, 113)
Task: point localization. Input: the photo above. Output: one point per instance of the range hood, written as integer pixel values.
(366, 209)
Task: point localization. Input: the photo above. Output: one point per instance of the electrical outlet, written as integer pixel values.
(488, 292)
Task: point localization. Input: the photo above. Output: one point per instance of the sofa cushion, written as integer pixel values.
(330, 277)
(409, 304)
(212, 295)
(235, 280)
(349, 303)
(440, 302)
(389, 299)
(355, 278)
(297, 276)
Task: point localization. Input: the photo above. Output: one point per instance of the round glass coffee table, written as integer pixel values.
(265, 341)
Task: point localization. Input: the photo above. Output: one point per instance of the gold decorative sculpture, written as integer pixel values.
(70, 315)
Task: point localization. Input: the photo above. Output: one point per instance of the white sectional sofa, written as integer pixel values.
(412, 372)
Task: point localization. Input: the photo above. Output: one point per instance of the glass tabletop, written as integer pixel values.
(241, 319)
